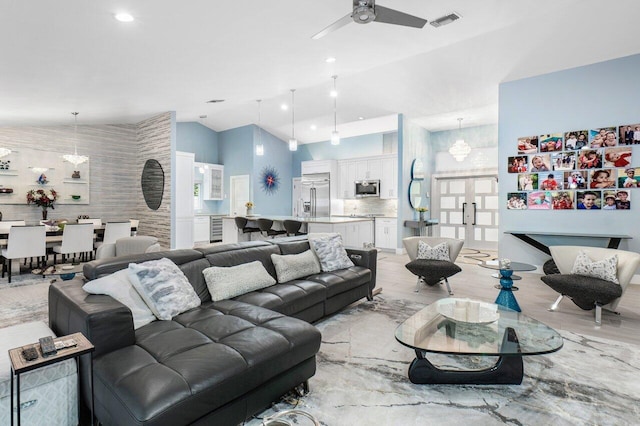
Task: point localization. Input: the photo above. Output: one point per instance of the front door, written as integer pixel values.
(467, 208)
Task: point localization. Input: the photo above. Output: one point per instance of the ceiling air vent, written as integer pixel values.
(215, 101)
(453, 16)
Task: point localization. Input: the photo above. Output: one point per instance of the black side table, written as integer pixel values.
(19, 365)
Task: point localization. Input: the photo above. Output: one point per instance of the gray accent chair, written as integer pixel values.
(589, 292)
(128, 245)
(432, 272)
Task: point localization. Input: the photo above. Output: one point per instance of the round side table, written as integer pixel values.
(506, 297)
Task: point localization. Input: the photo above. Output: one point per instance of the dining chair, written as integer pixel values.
(76, 238)
(97, 223)
(6, 224)
(114, 231)
(24, 242)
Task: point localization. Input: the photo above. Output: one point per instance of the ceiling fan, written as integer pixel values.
(365, 11)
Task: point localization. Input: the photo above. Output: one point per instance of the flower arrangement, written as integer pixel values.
(422, 209)
(42, 198)
(249, 205)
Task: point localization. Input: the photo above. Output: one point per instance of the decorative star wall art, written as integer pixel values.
(269, 180)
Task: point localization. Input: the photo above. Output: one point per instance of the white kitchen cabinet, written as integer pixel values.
(318, 166)
(354, 234)
(369, 168)
(386, 233)
(183, 208)
(213, 184)
(201, 229)
(389, 179)
(346, 179)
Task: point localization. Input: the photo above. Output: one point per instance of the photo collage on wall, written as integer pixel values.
(576, 170)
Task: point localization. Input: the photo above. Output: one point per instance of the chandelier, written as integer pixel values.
(460, 149)
(74, 158)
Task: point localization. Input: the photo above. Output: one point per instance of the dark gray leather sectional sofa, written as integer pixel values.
(217, 364)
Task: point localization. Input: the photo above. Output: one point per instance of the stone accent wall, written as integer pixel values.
(115, 183)
(154, 142)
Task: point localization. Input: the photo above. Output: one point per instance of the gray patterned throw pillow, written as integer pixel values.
(439, 252)
(292, 266)
(226, 282)
(163, 287)
(605, 269)
(331, 253)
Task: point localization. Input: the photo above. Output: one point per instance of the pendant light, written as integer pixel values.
(74, 158)
(260, 145)
(335, 136)
(293, 142)
(460, 149)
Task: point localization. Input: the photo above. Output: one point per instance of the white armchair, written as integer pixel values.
(584, 291)
(432, 272)
(128, 245)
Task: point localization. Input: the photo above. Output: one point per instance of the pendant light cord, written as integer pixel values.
(335, 105)
(75, 132)
(260, 119)
(293, 114)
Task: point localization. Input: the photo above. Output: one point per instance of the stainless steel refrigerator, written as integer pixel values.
(315, 195)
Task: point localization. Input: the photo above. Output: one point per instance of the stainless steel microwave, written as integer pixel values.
(367, 188)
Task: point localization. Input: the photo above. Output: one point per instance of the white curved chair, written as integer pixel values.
(434, 273)
(128, 245)
(23, 242)
(628, 263)
(76, 238)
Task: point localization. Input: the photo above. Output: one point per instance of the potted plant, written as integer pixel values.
(249, 205)
(43, 198)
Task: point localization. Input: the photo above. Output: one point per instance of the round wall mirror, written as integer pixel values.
(417, 169)
(152, 183)
(415, 194)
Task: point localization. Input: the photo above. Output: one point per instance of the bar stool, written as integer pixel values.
(241, 224)
(293, 227)
(265, 227)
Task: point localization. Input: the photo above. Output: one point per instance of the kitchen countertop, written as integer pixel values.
(333, 219)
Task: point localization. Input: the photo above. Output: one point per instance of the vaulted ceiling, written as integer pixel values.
(72, 55)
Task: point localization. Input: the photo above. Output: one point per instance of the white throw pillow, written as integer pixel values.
(227, 282)
(163, 287)
(439, 252)
(292, 266)
(330, 252)
(605, 269)
(118, 286)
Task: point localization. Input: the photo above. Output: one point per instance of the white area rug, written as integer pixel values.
(361, 376)
(361, 379)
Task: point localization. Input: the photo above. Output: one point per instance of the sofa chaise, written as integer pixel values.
(219, 363)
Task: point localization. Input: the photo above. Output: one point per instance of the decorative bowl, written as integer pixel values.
(75, 197)
(486, 313)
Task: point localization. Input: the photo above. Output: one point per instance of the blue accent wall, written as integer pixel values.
(236, 153)
(592, 96)
(199, 139)
(353, 147)
(278, 156)
(476, 137)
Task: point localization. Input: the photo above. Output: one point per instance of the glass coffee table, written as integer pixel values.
(510, 336)
(506, 297)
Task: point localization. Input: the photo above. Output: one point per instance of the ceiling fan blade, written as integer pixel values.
(336, 25)
(390, 16)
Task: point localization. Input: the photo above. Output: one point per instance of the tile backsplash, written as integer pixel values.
(371, 205)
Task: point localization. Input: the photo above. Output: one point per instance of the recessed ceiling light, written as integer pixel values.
(330, 60)
(313, 127)
(124, 17)
(284, 107)
(333, 93)
(360, 118)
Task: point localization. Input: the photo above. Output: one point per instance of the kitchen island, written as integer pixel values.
(355, 231)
